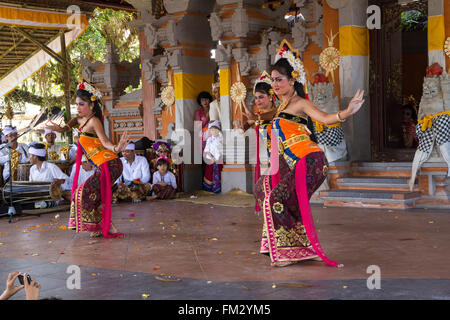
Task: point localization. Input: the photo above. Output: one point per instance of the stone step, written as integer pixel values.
(371, 194)
(370, 198)
(375, 183)
(382, 169)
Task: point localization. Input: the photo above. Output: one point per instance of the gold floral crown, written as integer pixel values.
(264, 78)
(96, 94)
(291, 55)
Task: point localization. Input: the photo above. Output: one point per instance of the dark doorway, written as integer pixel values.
(398, 59)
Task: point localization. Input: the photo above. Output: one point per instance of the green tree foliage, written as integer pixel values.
(414, 21)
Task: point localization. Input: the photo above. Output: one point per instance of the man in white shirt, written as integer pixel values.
(53, 150)
(86, 171)
(43, 171)
(214, 107)
(19, 152)
(135, 178)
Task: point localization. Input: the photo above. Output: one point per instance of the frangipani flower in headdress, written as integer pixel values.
(265, 77)
(292, 56)
(96, 94)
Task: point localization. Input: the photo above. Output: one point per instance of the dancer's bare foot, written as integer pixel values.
(113, 229)
(150, 198)
(96, 234)
(283, 263)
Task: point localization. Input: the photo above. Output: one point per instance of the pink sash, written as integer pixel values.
(257, 167)
(305, 209)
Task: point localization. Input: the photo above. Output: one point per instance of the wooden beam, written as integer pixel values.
(66, 74)
(39, 44)
(12, 48)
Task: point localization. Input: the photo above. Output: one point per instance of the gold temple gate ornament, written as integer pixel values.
(168, 94)
(329, 58)
(238, 91)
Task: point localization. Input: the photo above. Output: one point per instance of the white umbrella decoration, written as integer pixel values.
(329, 58)
(168, 94)
(238, 91)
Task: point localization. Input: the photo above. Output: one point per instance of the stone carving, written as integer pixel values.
(175, 59)
(170, 130)
(224, 55)
(262, 58)
(432, 100)
(88, 73)
(241, 55)
(158, 106)
(445, 86)
(433, 130)
(322, 95)
(148, 70)
(239, 21)
(216, 26)
(161, 69)
(330, 139)
(171, 33)
(300, 37)
(151, 32)
(275, 39)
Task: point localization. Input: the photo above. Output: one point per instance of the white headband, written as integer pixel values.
(214, 123)
(83, 159)
(130, 146)
(9, 130)
(37, 152)
(47, 131)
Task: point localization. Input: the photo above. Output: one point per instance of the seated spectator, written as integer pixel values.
(19, 152)
(43, 171)
(134, 183)
(86, 171)
(164, 183)
(53, 150)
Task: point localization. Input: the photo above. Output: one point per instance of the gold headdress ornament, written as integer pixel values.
(96, 94)
(292, 56)
(264, 78)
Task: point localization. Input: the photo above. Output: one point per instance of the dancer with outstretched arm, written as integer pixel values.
(90, 209)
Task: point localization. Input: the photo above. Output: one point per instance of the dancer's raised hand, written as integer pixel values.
(356, 103)
(123, 142)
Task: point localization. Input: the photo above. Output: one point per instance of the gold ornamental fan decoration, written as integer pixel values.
(238, 91)
(168, 94)
(447, 47)
(329, 58)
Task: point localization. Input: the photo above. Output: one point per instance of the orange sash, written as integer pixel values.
(94, 150)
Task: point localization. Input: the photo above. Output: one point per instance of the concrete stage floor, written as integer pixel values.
(213, 253)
